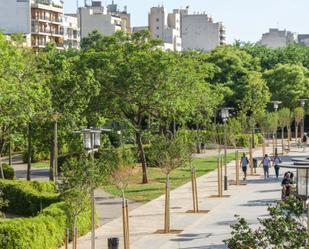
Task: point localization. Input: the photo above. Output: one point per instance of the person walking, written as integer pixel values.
(266, 164)
(304, 140)
(276, 161)
(244, 161)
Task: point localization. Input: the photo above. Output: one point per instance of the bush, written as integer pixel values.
(36, 156)
(43, 231)
(28, 198)
(65, 158)
(8, 171)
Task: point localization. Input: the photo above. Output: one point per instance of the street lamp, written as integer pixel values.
(225, 113)
(91, 141)
(303, 103)
(276, 106)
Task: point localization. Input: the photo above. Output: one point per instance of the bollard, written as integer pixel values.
(237, 167)
(167, 206)
(113, 243)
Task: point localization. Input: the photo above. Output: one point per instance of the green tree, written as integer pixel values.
(288, 83)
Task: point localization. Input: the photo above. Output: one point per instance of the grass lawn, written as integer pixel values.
(40, 165)
(155, 188)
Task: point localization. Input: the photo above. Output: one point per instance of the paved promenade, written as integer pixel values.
(199, 231)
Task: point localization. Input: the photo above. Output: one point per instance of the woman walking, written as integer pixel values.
(244, 161)
(266, 163)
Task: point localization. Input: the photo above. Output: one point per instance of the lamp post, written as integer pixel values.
(91, 141)
(303, 103)
(225, 113)
(276, 106)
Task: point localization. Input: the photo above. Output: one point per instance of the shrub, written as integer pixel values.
(43, 231)
(36, 156)
(65, 158)
(28, 198)
(8, 171)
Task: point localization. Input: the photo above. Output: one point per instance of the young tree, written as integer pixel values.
(299, 114)
(168, 154)
(284, 119)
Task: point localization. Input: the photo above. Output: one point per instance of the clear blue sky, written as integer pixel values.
(245, 20)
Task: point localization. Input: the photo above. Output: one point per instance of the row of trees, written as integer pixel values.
(127, 79)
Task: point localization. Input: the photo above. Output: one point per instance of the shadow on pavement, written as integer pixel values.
(259, 203)
(190, 237)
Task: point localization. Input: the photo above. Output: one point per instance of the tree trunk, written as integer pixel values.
(198, 144)
(142, 156)
(296, 132)
(51, 161)
(10, 147)
(55, 150)
(29, 153)
(282, 140)
(289, 136)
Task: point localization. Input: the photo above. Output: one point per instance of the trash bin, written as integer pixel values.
(113, 243)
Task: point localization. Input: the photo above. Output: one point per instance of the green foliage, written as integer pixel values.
(284, 228)
(8, 172)
(299, 114)
(28, 198)
(43, 231)
(284, 117)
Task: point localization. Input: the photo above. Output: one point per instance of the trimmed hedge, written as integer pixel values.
(8, 171)
(45, 231)
(28, 198)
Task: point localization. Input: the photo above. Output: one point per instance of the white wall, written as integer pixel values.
(15, 16)
(277, 38)
(199, 33)
(90, 19)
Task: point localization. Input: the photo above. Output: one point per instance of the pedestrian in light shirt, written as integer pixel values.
(266, 164)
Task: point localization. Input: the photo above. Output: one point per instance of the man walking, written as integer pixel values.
(244, 161)
(276, 162)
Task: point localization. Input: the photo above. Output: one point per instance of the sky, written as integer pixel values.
(245, 20)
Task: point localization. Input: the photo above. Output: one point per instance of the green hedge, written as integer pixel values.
(45, 231)
(8, 171)
(28, 198)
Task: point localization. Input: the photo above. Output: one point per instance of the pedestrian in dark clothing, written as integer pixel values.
(276, 162)
(244, 161)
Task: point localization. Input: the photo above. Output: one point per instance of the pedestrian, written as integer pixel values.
(255, 163)
(244, 161)
(304, 140)
(286, 186)
(266, 164)
(276, 163)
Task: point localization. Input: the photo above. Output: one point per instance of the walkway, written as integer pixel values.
(199, 231)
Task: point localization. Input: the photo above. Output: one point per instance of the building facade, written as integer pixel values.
(199, 32)
(303, 39)
(71, 32)
(185, 31)
(106, 20)
(165, 27)
(41, 21)
(276, 38)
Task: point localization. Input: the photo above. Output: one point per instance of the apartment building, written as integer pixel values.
(71, 31)
(41, 21)
(107, 20)
(165, 27)
(184, 31)
(276, 38)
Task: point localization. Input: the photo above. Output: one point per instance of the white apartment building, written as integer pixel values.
(276, 38)
(106, 20)
(165, 27)
(185, 31)
(71, 32)
(41, 21)
(199, 32)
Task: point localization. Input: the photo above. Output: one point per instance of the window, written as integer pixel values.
(158, 36)
(158, 19)
(158, 28)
